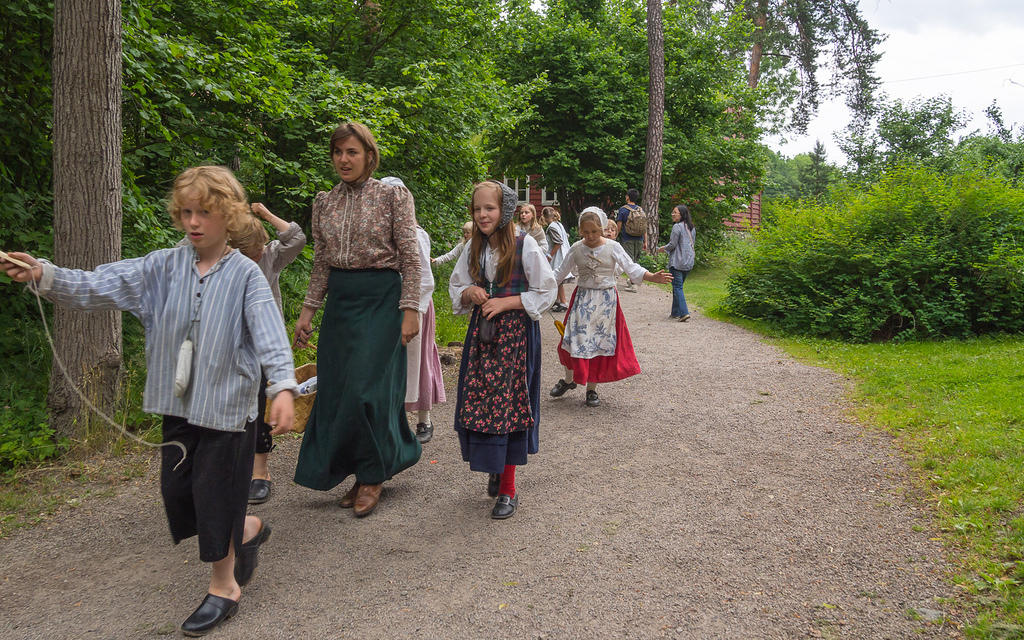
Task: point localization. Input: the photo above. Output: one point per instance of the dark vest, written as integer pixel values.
(518, 283)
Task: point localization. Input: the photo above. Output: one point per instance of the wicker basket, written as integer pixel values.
(304, 402)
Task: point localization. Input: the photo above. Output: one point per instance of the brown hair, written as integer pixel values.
(251, 238)
(506, 237)
(365, 137)
(550, 214)
(218, 191)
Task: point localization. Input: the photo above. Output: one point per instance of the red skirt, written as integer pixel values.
(599, 369)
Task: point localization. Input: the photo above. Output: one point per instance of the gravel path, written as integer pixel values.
(721, 494)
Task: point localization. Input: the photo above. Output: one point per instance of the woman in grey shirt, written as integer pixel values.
(680, 258)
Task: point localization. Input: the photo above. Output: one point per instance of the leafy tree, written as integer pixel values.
(1000, 153)
(802, 176)
(782, 176)
(789, 41)
(589, 121)
(921, 130)
(816, 175)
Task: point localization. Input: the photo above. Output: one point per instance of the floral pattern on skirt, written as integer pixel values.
(590, 324)
(495, 399)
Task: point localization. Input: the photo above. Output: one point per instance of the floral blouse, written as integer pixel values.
(365, 226)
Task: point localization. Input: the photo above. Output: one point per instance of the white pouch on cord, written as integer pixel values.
(183, 369)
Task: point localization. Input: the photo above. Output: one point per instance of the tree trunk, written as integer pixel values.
(760, 22)
(655, 118)
(86, 199)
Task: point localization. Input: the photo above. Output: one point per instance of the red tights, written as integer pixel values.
(508, 481)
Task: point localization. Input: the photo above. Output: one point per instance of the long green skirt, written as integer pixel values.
(358, 424)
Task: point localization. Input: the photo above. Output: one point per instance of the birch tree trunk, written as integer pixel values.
(86, 199)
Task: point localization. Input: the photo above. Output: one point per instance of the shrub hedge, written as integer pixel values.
(917, 255)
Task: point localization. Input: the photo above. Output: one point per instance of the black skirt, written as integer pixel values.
(209, 493)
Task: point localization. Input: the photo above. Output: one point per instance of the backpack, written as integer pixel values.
(636, 223)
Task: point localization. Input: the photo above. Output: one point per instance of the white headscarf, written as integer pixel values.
(600, 214)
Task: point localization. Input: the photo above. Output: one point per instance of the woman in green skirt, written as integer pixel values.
(366, 263)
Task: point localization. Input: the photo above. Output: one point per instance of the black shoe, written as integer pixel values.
(424, 432)
(247, 557)
(558, 307)
(505, 507)
(592, 399)
(493, 481)
(561, 387)
(259, 491)
(212, 611)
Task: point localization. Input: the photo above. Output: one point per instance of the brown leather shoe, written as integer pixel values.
(349, 499)
(367, 499)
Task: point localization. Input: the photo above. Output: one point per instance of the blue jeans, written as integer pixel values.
(679, 308)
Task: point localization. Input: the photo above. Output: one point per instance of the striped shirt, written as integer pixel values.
(239, 329)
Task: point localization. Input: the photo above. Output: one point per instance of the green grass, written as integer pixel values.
(447, 327)
(956, 409)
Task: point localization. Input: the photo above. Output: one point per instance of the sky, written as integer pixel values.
(970, 50)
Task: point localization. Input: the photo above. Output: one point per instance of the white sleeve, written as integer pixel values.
(633, 270)
(451, 255)
(426, 274)
(460, 281)
(543, 288)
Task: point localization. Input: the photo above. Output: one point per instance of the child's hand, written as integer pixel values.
(19, 273)
(282, 413)
(410, 325)
(494, 306)
(260, 210)
(475, 295)
(662, 277)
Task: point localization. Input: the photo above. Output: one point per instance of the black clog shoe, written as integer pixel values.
(212, 611)
(424, 432)
(561, 387)
(259, 491)
(247, 557)
(505, 507)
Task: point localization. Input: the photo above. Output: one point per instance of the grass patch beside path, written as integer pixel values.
(30, 496)
(957, 410)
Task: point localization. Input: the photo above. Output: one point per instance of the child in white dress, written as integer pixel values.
(596, 346)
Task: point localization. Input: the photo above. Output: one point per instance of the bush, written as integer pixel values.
(28, 439)
(919, 255)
